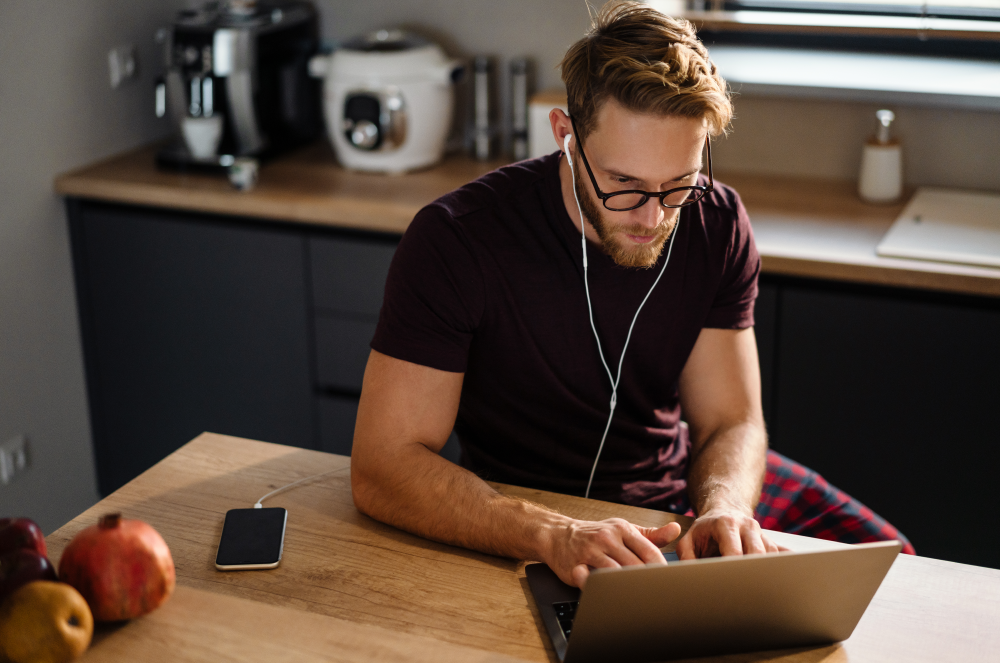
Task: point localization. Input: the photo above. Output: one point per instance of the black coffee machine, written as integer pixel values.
(237, 82)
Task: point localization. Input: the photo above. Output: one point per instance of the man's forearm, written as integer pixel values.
(422, 493)
(727, 470)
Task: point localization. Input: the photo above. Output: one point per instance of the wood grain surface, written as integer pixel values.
(196, 626)
(306, 186)
(338, 563)
(808, 228)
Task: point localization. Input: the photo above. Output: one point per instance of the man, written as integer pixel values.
(533, 310)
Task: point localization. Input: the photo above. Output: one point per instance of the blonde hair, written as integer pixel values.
(647, 62)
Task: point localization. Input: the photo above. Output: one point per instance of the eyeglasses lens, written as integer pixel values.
(684, 197)
(626, 201)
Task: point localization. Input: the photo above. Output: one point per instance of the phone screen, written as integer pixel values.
(251, 539)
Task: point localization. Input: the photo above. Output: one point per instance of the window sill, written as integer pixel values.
(868, 77)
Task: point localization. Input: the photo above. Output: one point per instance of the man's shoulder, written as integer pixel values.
(496, 190)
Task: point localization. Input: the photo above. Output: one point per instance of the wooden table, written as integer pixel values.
(804, 227)
(352, 589)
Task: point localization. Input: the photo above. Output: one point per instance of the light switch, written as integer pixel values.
(123, 64)
(13, 458)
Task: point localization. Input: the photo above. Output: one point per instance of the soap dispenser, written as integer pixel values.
(881, 178)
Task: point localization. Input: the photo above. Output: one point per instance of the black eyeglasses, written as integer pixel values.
(623, 201)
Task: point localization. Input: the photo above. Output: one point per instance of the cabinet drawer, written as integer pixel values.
(342, 348)
(348, 275)
(336, 424)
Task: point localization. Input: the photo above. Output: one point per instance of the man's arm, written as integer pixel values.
(720, 399)
(404, 419)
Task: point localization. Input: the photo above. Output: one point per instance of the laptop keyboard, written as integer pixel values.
(565, 612)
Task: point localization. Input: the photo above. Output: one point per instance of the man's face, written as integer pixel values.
(628, 150)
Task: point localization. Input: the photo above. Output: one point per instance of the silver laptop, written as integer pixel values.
(703, 607)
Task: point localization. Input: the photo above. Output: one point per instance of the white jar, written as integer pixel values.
(881, 178)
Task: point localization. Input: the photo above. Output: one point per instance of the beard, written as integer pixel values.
(614, 242)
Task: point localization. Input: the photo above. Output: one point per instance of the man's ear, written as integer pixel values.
(561, 127)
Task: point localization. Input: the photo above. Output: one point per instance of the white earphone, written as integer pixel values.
(590, 310)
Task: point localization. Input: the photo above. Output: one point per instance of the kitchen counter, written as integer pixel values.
(804, 228)
(307, 186)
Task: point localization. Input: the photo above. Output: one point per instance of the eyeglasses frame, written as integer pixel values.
(705, 190)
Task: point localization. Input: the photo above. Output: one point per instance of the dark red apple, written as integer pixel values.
(18, 533)
(20, 567)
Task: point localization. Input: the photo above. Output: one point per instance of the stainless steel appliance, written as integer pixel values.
(519, 74)
(237, 82)
(483, 121)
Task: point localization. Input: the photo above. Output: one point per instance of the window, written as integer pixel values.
(966, 28)
(954, 9)
(854, 50)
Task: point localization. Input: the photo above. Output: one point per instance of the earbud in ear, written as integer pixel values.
(566, 143)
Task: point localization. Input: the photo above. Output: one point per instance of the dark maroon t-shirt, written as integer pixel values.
(488, 280)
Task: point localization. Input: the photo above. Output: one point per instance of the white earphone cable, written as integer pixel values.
(590, 310)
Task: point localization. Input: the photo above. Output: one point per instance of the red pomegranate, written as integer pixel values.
(122, 567)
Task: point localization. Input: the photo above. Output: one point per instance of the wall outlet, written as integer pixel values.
(13, 458)
(123, 64)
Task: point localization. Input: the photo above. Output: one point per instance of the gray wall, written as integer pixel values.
(57, 111)
(811, 138)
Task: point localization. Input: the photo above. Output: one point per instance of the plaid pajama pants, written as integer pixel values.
(798, 501)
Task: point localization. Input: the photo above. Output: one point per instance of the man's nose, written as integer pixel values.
(650, 215)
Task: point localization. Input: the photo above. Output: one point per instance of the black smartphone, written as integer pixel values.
(251, 539)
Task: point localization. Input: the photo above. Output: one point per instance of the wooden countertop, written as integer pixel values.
(805, 228)
(350, 588)
(306, 186)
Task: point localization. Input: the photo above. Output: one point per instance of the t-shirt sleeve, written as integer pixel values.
(434, 295)
(734, 300)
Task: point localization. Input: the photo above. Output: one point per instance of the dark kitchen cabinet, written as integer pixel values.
(336, 423)
(195, 323)
(765, 329)
(348, 277)
(890, 395)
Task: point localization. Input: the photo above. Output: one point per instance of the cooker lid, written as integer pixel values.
(392, 57)
(386, 41)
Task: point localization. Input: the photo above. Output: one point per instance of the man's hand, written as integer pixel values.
(575, 547)
(724, 532)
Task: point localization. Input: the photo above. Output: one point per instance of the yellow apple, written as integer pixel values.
(45, 622)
